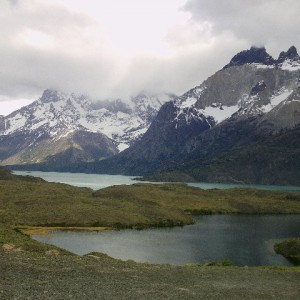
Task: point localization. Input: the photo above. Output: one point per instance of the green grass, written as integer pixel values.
(289, 249)
(140, 205)
(197, 201)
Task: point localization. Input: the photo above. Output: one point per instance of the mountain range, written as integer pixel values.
(61, 129)
(239, 125)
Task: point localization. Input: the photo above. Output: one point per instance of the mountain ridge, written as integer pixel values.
(221, 120)
(239, 125)
(45, 128)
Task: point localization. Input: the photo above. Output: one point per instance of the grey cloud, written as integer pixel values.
(79, 63)
(273, 23)
(13, 2)
(25, 70)
(182, 72)
(28, 72)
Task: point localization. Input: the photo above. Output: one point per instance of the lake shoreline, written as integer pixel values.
(44, 230)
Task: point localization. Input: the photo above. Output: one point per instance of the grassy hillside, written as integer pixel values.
(43, 203)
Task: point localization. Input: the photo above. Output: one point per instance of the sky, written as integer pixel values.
(118, 48)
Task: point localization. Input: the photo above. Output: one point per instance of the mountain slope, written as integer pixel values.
(241, 124)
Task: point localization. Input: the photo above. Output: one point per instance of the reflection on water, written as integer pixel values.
(244, 240)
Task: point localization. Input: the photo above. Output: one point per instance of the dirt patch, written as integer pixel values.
(52, 252)
(11, 247)
(33, 230)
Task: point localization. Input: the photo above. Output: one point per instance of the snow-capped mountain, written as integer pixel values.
(253, 83)
(241, 124)
(49, 126)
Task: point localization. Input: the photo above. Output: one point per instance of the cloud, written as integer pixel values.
(186, 68)
(44, 45)
(113, 49)
(273, 23)
(13, 2)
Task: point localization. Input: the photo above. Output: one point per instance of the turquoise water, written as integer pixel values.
(93, 181)
(98, 181)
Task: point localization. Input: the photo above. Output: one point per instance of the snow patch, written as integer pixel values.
(261, 66)
(220, 113)
(276, 99)
(189, 102)
(290, 65)
(122, 147)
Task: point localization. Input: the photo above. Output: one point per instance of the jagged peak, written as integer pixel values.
(259, 55)
(50, 95)
(253, 55)
(291, 54)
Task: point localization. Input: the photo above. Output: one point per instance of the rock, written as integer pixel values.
(254, 55)
(291, 54)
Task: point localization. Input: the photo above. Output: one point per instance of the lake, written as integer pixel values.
(98, 181)
(244, 240)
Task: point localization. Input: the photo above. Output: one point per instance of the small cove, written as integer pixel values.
(241, 239)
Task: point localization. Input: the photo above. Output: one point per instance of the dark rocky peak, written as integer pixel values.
(2, 123)
(259, 87)
(50, 96)
(118, 106)
(254, 55)
(291, 54)
(112, 105)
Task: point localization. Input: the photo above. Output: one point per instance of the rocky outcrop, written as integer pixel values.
(284, 116)
(254, 55)
(291, 54)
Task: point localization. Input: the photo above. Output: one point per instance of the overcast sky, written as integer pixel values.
(118, 48)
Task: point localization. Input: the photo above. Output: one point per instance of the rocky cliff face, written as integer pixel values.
(248, 110)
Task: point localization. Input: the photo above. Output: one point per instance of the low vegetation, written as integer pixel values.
(289, 249)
